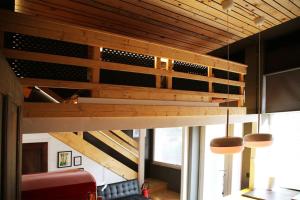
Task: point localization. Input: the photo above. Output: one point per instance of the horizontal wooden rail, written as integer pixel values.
(108, 110)
(108, 141)
(94, 64)
(130, 92)
(35, 26)
(126, 138)
(50, 58)
(123, 143)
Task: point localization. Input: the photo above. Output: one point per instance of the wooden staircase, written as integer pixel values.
(112, 149)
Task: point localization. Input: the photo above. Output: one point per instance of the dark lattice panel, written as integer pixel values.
(221, 88)
(224, 74)
(127, 78)
(191, 85)
(189, 68)
(33, 69)
(124, 57)
(43, 45)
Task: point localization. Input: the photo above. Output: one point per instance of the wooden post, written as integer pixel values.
(242, 91)
(228, 166)
(210, 85)
(184, 165)
(141, 172)
(95, 54)
(157, 65)
(169, 78)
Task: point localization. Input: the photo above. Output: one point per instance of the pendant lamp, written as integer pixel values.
(257, 140)
(227, 145)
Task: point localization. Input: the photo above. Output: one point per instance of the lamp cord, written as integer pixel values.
(259, 81)
(228, 50)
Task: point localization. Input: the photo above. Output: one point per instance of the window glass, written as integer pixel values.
(168, 145)
(281, 160)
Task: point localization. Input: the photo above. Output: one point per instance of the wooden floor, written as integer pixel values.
(159, 191)
(165, 195)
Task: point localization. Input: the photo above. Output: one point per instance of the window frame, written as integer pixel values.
(165, 164)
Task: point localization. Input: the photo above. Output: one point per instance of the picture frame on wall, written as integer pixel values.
(77, 161)
(64, 159)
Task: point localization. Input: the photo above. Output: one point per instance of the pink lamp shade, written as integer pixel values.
(227, 145)
(257, 140)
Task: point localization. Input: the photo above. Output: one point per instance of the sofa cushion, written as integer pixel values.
(120, 190)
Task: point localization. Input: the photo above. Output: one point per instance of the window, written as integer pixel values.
(281, 160)
(168, 145)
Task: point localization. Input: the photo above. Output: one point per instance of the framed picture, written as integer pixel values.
(77, 161)
(64, 159)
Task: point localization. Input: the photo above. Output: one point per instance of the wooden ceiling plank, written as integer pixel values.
(180, 20)
(219, 15)
(295, 2)
(165, 20)
(246, 12)
(234, 13)
(269, 9)
(257, 11)
(180, 17)
(134, 22)
(240, 12)
(117, 28)
(279, 6)
(202, 17)
(290, 6)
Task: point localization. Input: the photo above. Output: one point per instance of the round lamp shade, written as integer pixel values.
(257, 140)
(226, 145)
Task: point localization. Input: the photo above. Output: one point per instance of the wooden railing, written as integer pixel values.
(164, 58)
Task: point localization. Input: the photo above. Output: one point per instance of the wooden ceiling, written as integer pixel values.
(195, 25)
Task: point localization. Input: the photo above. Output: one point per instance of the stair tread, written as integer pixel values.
(156, 185)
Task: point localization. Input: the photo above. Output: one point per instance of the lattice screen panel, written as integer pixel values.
(124, 57)
(37, 44)
(189, 68)
(33, 69)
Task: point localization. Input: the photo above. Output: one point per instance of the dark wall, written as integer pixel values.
(280, 50)
(169, 175)
(7, 4)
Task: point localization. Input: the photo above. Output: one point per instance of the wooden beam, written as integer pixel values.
(95, 154)
(94, 54)
(129, 92)
(121, 142)
(108, 141)
(108, 110)
(31, 25)
(170, 70)
(157, 66)
(126, 138)
(43, 57)
(141, 172)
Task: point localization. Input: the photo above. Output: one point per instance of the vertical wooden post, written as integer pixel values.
(141, 168)
(228, 166)
(169, 78)
(157, 65)
(210, 85)
(242, 91)
(95, 54)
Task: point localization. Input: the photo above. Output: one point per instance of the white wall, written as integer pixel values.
(100, 173)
